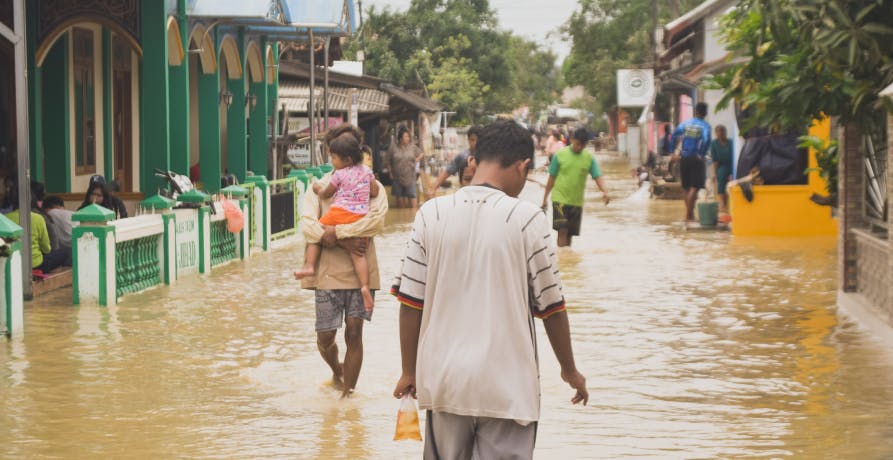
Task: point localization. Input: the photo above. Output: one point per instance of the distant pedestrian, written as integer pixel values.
(462, 165)
(721, 153)
(469, 354)
(568, 171)
(695, 136)
(402, 160)
(554, 143)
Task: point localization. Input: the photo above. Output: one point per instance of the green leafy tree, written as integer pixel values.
(607, 35)
(809, 58)
(454, 50)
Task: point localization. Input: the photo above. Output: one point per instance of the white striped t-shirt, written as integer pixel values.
(480, 265)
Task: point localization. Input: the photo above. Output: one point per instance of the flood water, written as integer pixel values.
(695, 345)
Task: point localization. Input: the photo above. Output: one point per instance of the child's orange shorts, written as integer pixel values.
(339, 216)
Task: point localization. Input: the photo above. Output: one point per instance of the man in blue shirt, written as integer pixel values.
(695, 135)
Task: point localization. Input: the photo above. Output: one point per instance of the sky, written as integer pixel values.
(532, 19)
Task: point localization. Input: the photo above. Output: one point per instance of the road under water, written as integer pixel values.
(695, 345)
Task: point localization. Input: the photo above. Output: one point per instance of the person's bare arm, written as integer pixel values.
(558, 330)
(327, 192)
(602, 185)
(313, 230)
(373, 190)
(437, 183)
(549, 185)
(410, 325)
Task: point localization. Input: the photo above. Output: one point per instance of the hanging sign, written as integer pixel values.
(635, 87)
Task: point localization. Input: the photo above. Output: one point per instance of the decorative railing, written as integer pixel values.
(874, 209)
(137, 264)
(113, 258)
(138, 253)
(224, 245)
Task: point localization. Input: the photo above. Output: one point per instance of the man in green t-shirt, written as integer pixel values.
(567, 181)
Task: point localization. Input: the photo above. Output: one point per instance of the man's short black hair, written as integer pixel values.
(53, 201)
(701, 109)
(474, 131)
(582, 135)
(505, 142)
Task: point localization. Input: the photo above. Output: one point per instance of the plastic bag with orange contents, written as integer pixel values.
(235, 220)
(408, 421)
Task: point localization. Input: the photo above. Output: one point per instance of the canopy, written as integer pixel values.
(325, 17)
(259, 10)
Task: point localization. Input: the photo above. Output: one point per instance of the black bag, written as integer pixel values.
(778, 158)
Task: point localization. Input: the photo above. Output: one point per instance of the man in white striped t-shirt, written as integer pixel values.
(479, 266)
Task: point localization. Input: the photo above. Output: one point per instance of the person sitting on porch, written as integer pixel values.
(43, 256)
(54, 208)
(98, 192)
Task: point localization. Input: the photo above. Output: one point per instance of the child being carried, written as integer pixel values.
(352, 185)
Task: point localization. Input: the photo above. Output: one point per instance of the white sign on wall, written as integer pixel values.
(635, 87)
(187, 241)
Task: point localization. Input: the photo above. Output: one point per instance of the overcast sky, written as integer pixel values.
(533, 19)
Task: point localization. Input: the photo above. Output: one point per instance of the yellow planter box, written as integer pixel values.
(780, 210)
(785, 210)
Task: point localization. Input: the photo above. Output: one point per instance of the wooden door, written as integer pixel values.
(122, 120)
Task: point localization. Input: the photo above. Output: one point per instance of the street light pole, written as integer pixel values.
(23, 143)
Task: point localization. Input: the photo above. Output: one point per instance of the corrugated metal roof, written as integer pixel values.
(296, 96)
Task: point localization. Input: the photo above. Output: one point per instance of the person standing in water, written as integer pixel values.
(721, 153)
(469, 355)
(567, 183)
(695, 138)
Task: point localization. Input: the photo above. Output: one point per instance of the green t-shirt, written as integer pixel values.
(570, 171)
(40, 237)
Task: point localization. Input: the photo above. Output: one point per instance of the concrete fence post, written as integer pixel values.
(261, 210)
(12, 320)
(93, 256)
(168, 255)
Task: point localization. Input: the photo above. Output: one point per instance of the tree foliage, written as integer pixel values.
(809, 58)
(454, 50)
(608, 35)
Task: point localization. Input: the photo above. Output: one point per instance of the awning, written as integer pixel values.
(258, 10)
(422, 103)
(296, 96)
(683, 22)
(717, 65)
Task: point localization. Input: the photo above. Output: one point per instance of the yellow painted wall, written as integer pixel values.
(785, 210)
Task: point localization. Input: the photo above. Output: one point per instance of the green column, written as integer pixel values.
(236, 141)
(155, 132)
(108, 127)
(209, 129)
(258, 146)
(179, 101)
(55, 132)
(272, 98)
(35, 103)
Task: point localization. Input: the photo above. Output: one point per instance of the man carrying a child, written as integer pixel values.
(335, 281)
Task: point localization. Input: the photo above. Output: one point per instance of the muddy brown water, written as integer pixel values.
(695, 345)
